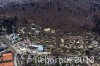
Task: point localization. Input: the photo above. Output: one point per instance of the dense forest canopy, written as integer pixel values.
(69, 15)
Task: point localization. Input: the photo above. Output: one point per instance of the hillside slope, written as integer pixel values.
(68, 15)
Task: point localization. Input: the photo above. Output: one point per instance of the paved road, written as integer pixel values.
(9, 44)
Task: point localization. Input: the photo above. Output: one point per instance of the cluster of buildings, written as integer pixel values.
(6, 55)
(86, 43)
(48, 41)
(24, 45)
